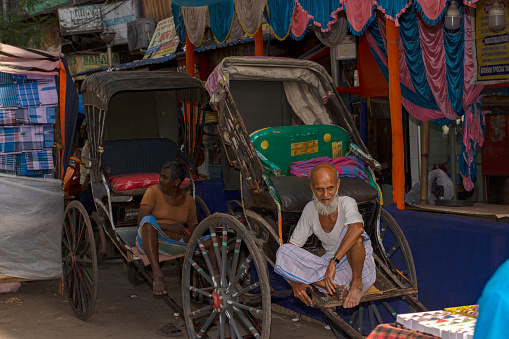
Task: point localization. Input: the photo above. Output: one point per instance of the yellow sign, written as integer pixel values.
(305, 147)
(164, 41)
(337, 149)
(84, 62)
(491, 48)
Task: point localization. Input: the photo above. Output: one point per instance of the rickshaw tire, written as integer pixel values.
(79, 262)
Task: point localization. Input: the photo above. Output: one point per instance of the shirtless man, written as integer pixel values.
(347, 267)
(166, 220)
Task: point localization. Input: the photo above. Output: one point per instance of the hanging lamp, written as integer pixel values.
(452, 18)
(496, 17)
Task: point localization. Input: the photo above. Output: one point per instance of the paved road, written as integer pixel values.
(122, 311)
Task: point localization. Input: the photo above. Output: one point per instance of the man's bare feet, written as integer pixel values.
(159, 287)
(354, 296)
(341, 292)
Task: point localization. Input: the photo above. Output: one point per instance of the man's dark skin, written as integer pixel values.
(325, 183)
(175, 197)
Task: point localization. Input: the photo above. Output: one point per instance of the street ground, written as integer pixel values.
(122, 311)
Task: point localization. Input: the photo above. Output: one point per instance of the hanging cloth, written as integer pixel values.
(195, 19)
(178, 19)
(250, 14)
(279, 14)
(236, 32)
(299, 23)
(306, 103)
(221, 17)
(323, 12)
(360, 14)
(336, 34)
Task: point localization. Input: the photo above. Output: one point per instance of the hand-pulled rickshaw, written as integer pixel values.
(136, 122)
(273, 112)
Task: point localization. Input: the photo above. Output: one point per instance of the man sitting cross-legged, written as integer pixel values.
(347, 267)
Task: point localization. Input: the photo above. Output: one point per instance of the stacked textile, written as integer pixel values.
(27, 114)
(350, 166)
(439, 323)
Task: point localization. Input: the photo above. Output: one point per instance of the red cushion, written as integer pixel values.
(127, 182)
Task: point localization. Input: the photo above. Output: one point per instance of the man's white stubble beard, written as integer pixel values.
(326, 209)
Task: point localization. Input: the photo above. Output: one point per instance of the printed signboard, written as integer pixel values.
(164, 41)
(84, 62)
(491, 49)
(116, 17)
(80, 19)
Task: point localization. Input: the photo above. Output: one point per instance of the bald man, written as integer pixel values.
(347, 268)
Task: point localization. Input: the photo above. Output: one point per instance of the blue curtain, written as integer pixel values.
(178, 19)
(454, 46)
(321, 9)
(221, 16)
(279, 15)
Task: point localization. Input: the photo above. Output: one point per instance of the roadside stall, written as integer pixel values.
(38, 109)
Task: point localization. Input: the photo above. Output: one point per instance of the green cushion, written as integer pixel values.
(279, 147)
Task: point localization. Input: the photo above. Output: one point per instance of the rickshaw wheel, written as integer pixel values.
(367, 315)
(239, 310)
(79, 260)
(202, 211)
(396, 246)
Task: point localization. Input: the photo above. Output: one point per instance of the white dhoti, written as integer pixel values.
(297, 264)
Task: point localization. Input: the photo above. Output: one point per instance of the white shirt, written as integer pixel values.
(309, 223)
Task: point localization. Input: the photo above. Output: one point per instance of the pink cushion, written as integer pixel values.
(128, 182)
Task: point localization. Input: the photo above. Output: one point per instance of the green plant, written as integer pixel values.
(19, 29)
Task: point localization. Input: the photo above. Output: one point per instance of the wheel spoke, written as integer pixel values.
(247, 289)
(197, 290)
(222, 327)
(353, 318)
(81, 228)
(67, 245)
(257, 311)
(375, 311)
(393, 249)
(224, 255)
(383, 229)
(198, 269)
(360, 323)
(390, 309)
(234, 330)
(243, 268)
(201, 311)
(205, 254)
(248, 323)
(215, 245)
(236, 254)
(206, 325)
(67, 238)
(84, 261)
(371, 318)
(84, 250)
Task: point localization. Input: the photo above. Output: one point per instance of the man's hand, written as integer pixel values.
(328, 278)
(177, 228)
(299, 290)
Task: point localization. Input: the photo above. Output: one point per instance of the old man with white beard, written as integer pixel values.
(347, 268)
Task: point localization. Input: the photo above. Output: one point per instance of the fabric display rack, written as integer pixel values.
(27, 117)
(38, 112)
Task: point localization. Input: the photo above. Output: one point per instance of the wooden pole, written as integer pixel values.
(398, 155)
(259, 41)
(190, 109)
(424, 161)
(189, 57)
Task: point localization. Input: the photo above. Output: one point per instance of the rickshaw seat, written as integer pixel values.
(279, 147)
(295, 192)
(140, 155)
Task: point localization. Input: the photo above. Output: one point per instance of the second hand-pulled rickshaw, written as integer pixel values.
(274, 112)
(136, 122)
